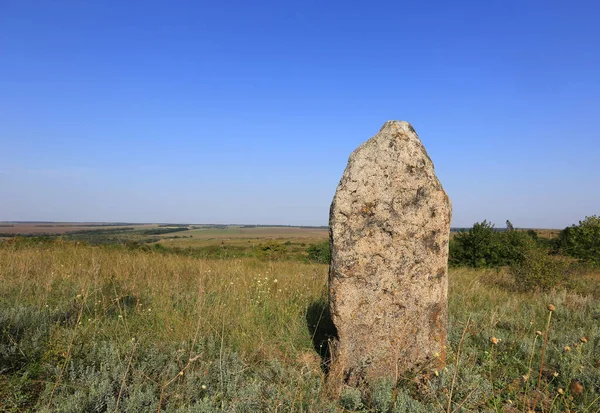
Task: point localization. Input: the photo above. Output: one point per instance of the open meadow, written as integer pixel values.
(87, 328)
(9, 229)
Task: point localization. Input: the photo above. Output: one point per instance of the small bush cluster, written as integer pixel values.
(581, 241)
(530, 260)
(539, 270)
(320, 252)
(482, 246)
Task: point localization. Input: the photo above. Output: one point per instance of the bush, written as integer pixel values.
(320, 253)
(537, 269)
(582, 241)
(484, 246)
(476, 247)
(271, 250)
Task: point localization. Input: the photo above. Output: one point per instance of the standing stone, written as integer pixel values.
(388, 287)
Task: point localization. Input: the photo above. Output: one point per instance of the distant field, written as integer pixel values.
(234, 235)
(257, 232)
(57, 228)
(208, 240)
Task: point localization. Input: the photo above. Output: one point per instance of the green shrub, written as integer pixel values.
(319, 253)
(351, 399)
(582, 241)
(271, 250)
(383, 396)
(476, 247)
(537, 269)
(484, 246)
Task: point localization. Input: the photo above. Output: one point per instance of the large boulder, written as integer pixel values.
(388, 284)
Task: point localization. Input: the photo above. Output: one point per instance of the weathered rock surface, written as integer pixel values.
(389, 229)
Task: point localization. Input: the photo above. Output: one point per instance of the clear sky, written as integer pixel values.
(246, 111)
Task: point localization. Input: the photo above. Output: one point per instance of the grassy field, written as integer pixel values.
(244, 238)
(100, 328)
(224, 240)
(60, 228)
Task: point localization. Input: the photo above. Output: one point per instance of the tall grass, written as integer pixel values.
(102, 329)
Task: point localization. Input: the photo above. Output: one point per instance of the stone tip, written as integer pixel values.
(395, 125)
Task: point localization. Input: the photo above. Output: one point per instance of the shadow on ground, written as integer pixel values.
(321, 329)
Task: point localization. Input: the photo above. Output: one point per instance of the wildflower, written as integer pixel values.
(551, 307)
(437, 373)
(275, 280)
(567, 348)
(561, 391)
(583, 339)
(181, 373)
(525, 378)
(120, 316)
(204, 387)
(555, 374)
(539, 333)
(494, 340)
(576, 387)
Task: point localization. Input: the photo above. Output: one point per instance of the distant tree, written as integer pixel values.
(532, 234)
(476, 247)
(582, 241)
(483, 246)
(509, 226)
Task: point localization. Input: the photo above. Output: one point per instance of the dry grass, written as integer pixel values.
(258, 306)
(232, 335)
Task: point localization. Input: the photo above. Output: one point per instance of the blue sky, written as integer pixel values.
(246, 112)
